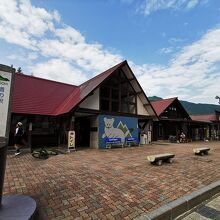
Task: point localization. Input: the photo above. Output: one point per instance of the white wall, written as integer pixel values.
(91, 102)
(140, 108)
(94, 135)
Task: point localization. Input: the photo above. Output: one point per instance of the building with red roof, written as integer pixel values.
(173, 119)
(212, 128)
(110, 105)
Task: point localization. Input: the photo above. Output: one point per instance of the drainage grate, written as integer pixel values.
(209, 212)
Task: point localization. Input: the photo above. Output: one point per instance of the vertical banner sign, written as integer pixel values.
(5, 86)
(71, 140)
(149, 136)
(5, 111)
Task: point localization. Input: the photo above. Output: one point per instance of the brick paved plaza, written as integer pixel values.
(110, 184)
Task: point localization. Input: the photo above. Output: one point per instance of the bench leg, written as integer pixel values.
(170, 160)
(206, 152)
(159, 162)
(108, 146)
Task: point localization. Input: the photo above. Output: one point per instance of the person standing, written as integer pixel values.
(19, 131)
(182, 137)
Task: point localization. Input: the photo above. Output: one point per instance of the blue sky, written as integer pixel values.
(172, 46)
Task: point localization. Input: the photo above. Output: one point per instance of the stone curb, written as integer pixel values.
(174, 209)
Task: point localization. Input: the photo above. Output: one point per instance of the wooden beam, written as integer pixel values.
(147, 104)
(140, 92)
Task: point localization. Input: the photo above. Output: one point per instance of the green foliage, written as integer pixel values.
(193, 108)
(199, 109)
(19, 70)
(154, 98)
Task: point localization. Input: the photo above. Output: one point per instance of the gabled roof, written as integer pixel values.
(34, 95)
(76, 97)
(161, 105)
(204, 118)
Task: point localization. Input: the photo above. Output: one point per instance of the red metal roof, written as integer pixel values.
(205, 118)
(160, 105)
(77, 96)
(34, 95)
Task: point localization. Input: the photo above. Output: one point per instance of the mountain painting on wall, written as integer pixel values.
(3, 79)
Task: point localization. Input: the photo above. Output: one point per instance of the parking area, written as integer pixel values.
(110, 184)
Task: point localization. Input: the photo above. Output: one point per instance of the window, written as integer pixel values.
(117, 95)
(105, 105)
(105, 92)
(115, 106)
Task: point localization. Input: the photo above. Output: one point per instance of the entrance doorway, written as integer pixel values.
(82, 131)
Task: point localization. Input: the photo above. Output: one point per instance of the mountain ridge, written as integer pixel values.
(193, 108)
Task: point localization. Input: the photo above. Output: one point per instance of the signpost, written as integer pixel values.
(6, 80)
(71, 141)
(15, 206)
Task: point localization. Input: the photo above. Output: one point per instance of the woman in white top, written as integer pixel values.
(19, 131)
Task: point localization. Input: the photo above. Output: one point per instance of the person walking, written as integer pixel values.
(19, 131)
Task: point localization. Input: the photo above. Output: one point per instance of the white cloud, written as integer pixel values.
(193, 72)
(20, 22)
(166, 50)
(175, 40)
(90, 57)
(59, 70)
(192, 4)
(30, 27)
(151, 6)
(23, 56)
(61, 53)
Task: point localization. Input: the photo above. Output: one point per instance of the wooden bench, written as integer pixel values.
(109, 142)
(159, 158)
(201, 151)
(131, 141)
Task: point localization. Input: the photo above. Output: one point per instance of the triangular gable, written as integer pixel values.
(47, 97)
(33, 95)
(139, 91)
(89, 86)
(161, 105)
(85, 90)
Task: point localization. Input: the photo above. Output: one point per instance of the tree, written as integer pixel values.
(217, 97)
(19, 70)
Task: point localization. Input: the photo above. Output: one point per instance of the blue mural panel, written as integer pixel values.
(116, 127)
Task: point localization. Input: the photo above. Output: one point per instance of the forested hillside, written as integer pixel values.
(193, 108)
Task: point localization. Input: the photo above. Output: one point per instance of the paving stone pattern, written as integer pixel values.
(110, 184)
(211, 210)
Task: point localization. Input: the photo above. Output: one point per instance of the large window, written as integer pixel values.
(117, 95)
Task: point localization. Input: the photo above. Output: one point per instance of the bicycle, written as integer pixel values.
(43, 153)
